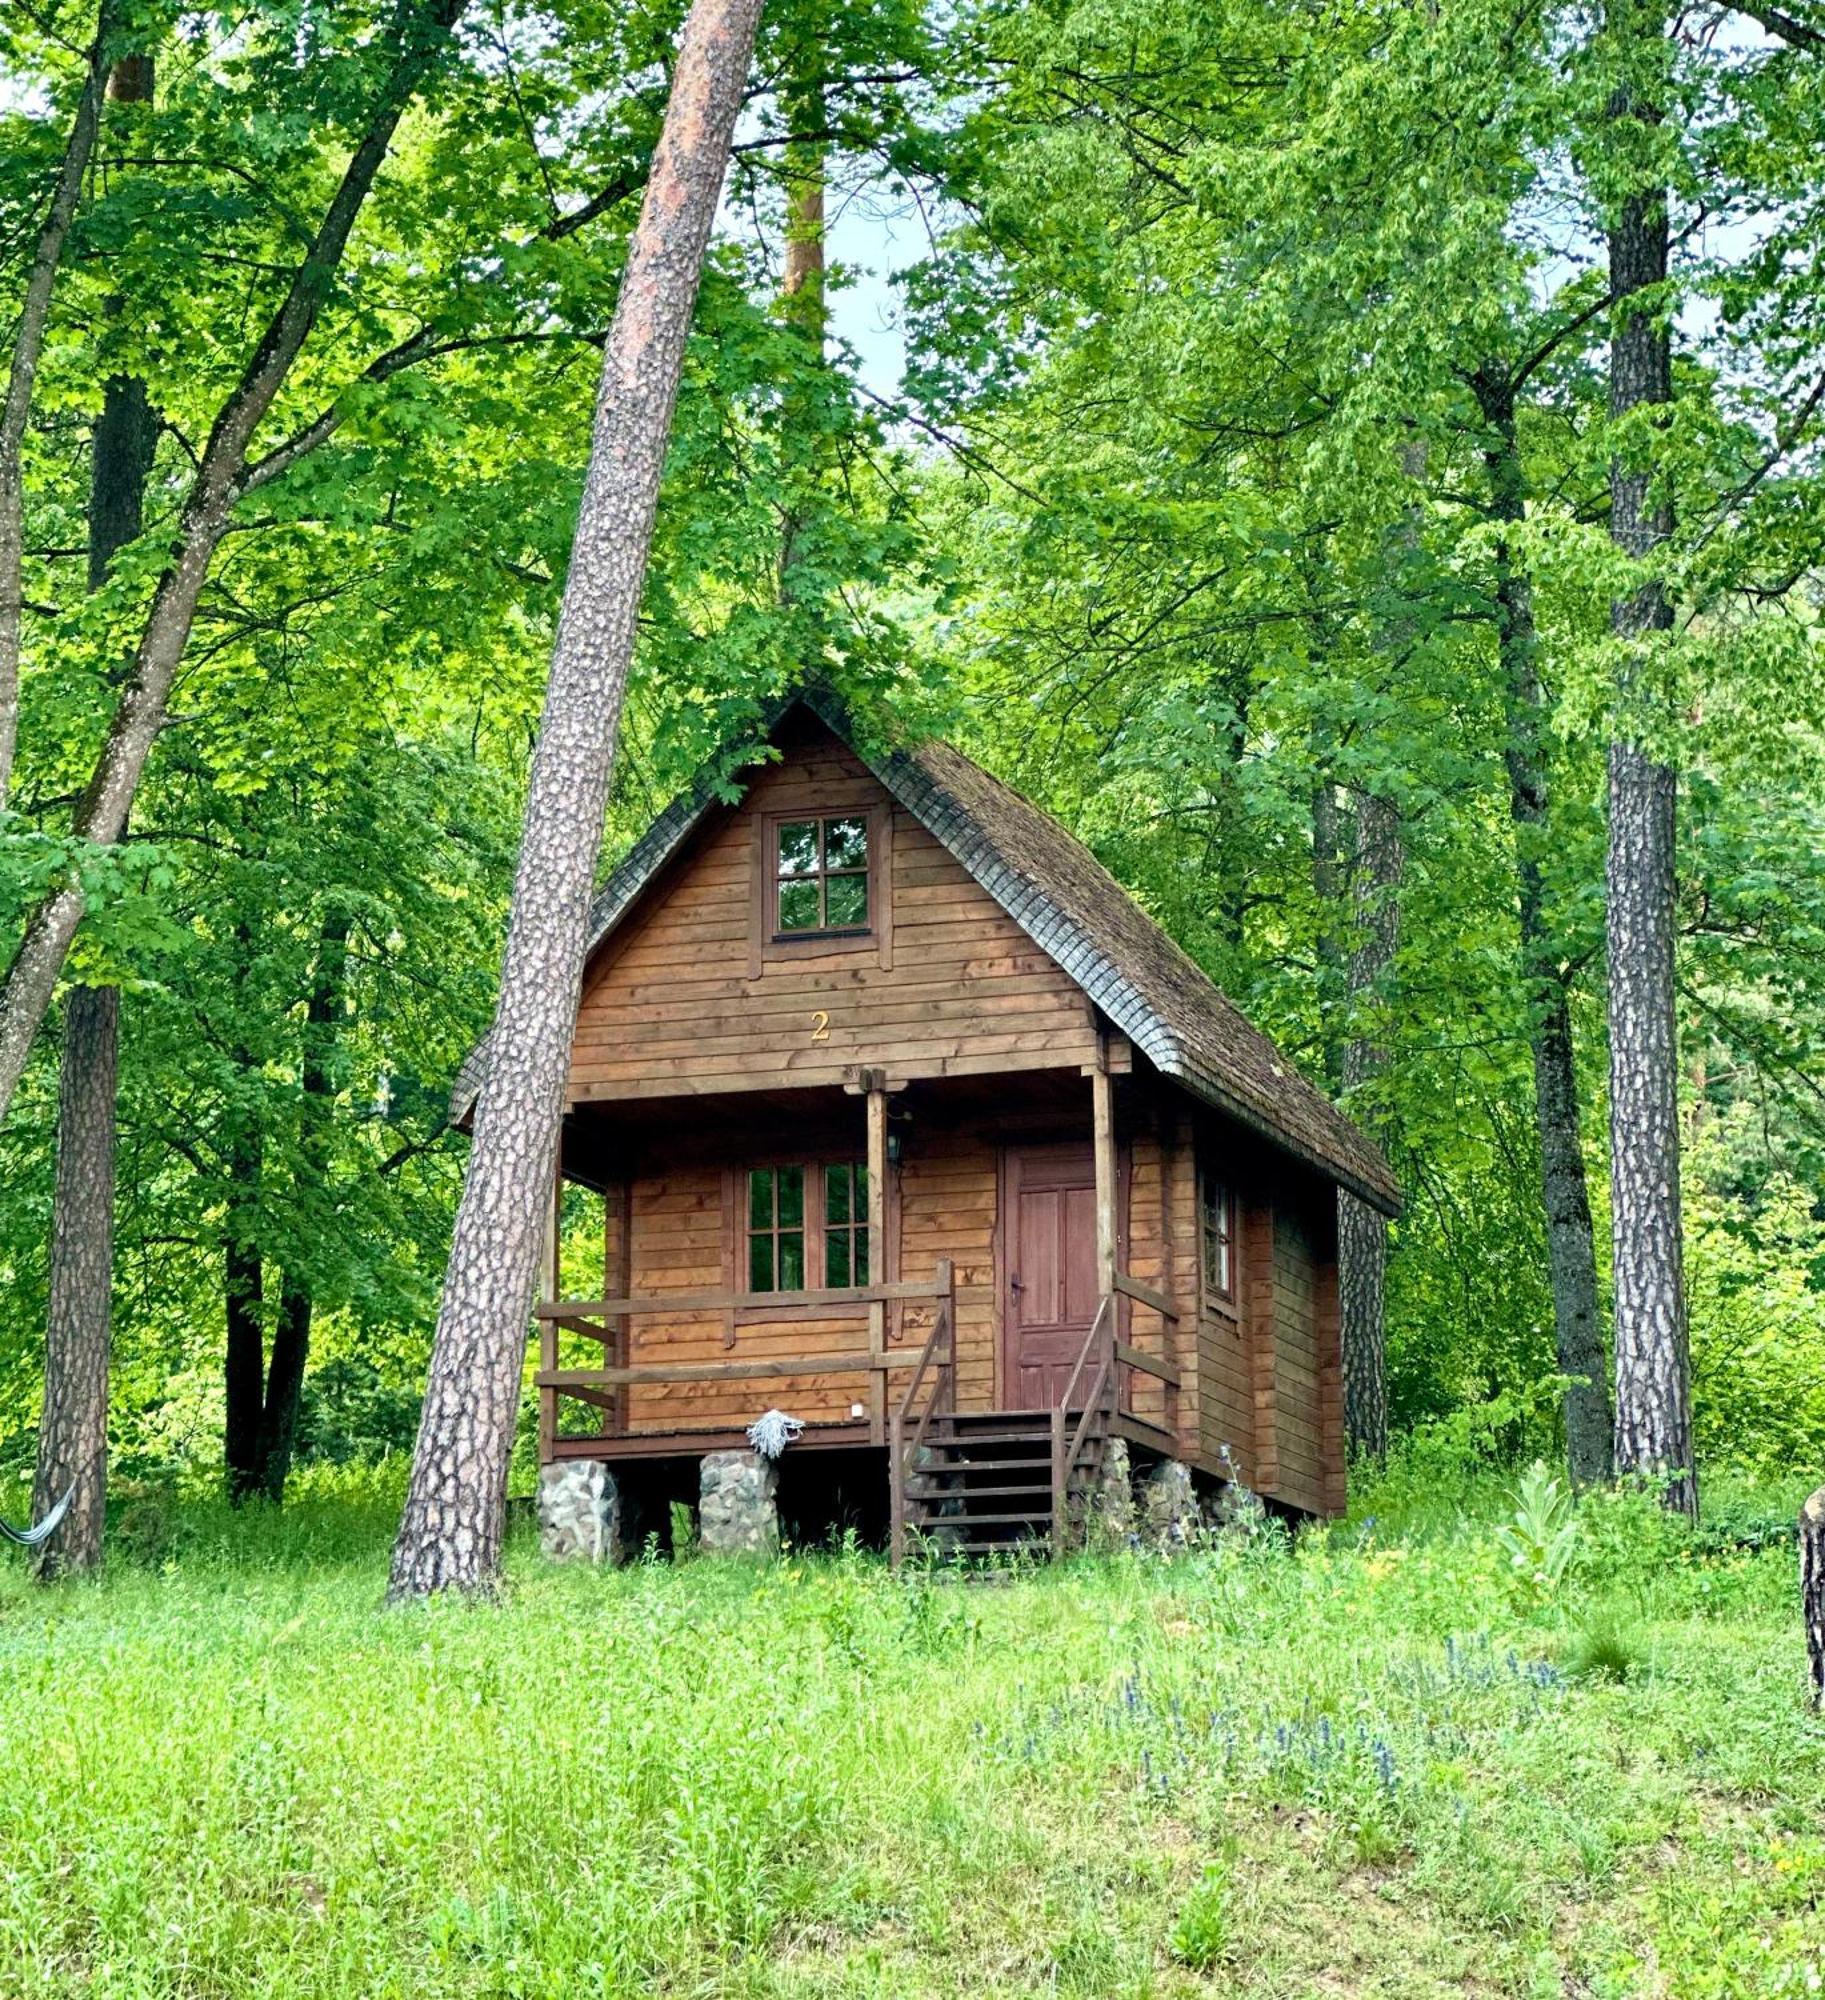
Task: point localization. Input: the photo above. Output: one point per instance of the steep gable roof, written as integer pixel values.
(1069, 904)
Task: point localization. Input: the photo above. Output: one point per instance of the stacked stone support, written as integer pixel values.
(738, 1504)
(579, 1511)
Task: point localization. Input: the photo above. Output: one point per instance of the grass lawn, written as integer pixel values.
(1371, 1762)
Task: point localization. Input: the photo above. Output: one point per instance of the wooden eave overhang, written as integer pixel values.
(1050, 884)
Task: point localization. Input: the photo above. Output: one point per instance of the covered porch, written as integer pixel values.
(672, 1355)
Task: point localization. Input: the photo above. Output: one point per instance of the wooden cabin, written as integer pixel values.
(904, 1118)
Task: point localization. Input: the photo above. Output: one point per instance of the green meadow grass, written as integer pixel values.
(1365, 1762)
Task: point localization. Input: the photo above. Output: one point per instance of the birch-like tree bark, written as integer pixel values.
(1653, 1367)
(1571, 1254)
(450, 1536)
(28, 345)
(419, 32)
(1812, 1590)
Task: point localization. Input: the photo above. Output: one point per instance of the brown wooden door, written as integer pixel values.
(1049, 1295)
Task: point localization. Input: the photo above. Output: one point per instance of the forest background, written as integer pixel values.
(1252, 364)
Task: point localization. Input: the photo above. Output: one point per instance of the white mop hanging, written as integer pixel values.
(770, 1435)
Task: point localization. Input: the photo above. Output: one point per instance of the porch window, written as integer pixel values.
(776, 1229)
(806, 1219)
(820, 875)
(1218, 1217)
(845, 1225)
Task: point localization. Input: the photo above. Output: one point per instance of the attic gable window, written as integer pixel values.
(820, 876)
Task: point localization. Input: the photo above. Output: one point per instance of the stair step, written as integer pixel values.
(969, 1438)
(981, 1492)
(972, 1519)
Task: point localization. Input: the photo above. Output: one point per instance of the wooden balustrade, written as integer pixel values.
(1092, 1396)
(939, 1360)
(604, 1388)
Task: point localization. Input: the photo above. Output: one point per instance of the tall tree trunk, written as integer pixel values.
(292, 1328)
(450, 1536)
(28, 345)
(418, 32)
(1378, 862)
(73, 1437)
(1653, 1369)
(243, 1304)
(1330, 884)
(1571, 1255)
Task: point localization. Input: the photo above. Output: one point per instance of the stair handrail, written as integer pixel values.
(903, 1450)
(1067, 1453)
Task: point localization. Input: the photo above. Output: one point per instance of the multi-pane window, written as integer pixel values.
(805, 1220)
(845, 1224)
(820, 874)
(776, 1229)
(1218, 1215)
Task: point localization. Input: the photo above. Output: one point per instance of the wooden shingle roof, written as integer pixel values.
(1069, 904)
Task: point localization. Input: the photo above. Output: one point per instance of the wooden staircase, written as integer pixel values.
(973, 1484)
(983, 1484)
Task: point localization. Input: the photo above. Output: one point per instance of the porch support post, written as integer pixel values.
(877, 1253)
(1102, 1103)
(548, 1328)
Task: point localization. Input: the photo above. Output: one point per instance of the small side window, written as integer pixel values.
(1218, 1232)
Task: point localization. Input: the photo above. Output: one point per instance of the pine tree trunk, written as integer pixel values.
(450, 1537)
(1571, 1255)
(1329, 881)
(1653, 1373)
(1378, 862)
(292, 1329)
(1812, 1589)
(73, 1437)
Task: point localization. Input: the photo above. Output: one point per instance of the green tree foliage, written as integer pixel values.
(1247, 309)
(1190, 519)
(349, 733)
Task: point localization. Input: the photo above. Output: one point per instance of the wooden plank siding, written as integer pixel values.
(691, 1010)
(1300, 1365)
(685, 996)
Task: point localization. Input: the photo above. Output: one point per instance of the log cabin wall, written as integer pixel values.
(694, 994)
(693, 999)
(688, 1236)
(1307, 1375)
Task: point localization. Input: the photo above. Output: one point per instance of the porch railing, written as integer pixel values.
(1093, 1394)
(605, 1388)
(919, 1406)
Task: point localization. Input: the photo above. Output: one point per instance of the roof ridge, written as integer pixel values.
(1164, 1001)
